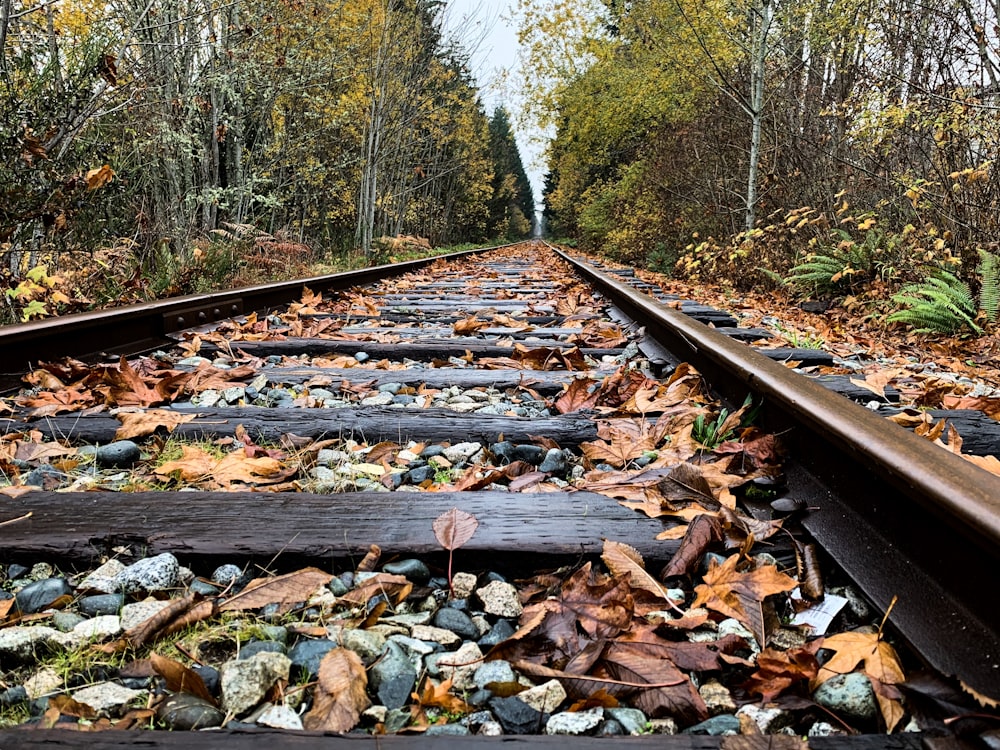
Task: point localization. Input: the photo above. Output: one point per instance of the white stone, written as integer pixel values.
(103, 579)
(43, 682)
(463, 584)
(500, 599)
(157, 573)
(768, 720)
(279, 717)
(20, 643)
(735, 627)
(435, 635)
(94, 629)
(107, 697)
(461, 451)
(544, 698)
(574, 722)
(138, 612)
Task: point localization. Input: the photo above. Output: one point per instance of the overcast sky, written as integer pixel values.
(486, 28)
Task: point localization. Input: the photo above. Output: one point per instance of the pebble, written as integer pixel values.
(575, 722)
(731, 626)
(493, 671)
(66, 621)
(104, 579)
(107, 697)
(554, 462)
(43, 682)
(13, 695)
(380, 399)
(306, 655)
(544, 698)
(501, 631)
(610, 728)
(457, 622)
(365, 643)
(429, 633)
(121, 454)
(723, 724)
(138, 612)
(101, 604)
(500, 598)
(186, 712)
(393, 677)
(361, 357)
(463, 584)
(150, 574)
(533, 454)
(253, 648)
(14, 570)
(226, 574)
(768, 720)
(415, 570)
(461, 452)
(459, 665)
(718, 699)
(516, 716)
(46, 476)
(279, 717)
(210, 676)
(245, 682)
(849, 695)
(632, 720)
(37, 596)
(446, 730)
(203, 587)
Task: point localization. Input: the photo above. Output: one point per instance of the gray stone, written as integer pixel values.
(632, 720)
(249, 650)
(414, 570)
(441, 636)
(493, 671)
(849, 695)
(13, 695)
(107, 697)
(723, 724)
(306, 656)
(575, 722)
(104, 579)
(245, 682)
(101, 604)
(361, 357)
(205, 588)
(457, 622)
(379, 399)
(151, 574)
(184, 712)
(365, 643)
(500, 599)
(46, 476)
(516, 716)
(121, 454)
(554, 462)
(462, 452)
(64, 622)
(447, 730)
(226, 574)
(20, 644)
(501, 631)
(768, 720)
(533, 454)
(610, 728)
(37, 596)
(393, 677)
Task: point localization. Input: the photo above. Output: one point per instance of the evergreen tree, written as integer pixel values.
(512, 207)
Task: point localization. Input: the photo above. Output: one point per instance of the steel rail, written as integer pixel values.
(908, 518)
(141, 327)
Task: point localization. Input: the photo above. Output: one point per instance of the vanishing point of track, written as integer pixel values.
(900, 516)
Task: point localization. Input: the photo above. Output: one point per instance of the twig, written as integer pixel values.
(15, 520)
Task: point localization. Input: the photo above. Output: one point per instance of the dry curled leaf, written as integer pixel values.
(181, 679)
(621, 559)
(285, 591)
(340, 695)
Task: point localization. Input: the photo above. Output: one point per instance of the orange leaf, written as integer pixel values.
(141, 423)
(454, 527)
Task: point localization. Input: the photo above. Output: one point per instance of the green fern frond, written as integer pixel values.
(941, 303)
(989, 280)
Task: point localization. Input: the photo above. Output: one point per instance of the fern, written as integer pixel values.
(942, 303)
(817, 273)
(989, 290)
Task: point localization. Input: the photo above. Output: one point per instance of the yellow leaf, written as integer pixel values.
(99, 177)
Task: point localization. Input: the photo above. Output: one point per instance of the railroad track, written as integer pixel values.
(534, 392)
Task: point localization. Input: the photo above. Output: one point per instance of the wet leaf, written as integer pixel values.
(285, 591)
(181, 679)
(454, 527)
(879, 661)
(341, 693)
(670, 691)
(700, 534)
(578, 395)
(779, 670)
(394, 588)
(141, 423)
(685, 483)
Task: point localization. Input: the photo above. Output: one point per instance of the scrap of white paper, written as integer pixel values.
(817, 617)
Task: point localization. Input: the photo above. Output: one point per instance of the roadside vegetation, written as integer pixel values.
(163, 148)
(841, 152)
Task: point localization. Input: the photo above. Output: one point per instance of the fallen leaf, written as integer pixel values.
(621, 559)
(181, 679)
(698, 537)
(670, 691)
(580, 394)
(880, 662)
(341, 693)
(285, 591)
(778, 670)
(454, 527)
(141, 423)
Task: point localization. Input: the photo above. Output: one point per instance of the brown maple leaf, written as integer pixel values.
(582, 393)
(741, 595)
(340, 694)
(879, 661)
(779, 670)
